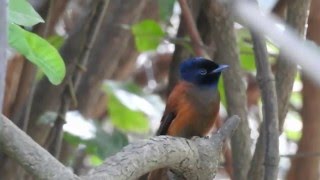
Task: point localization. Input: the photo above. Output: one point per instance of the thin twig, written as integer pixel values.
(197, 43)
(301, 155)
(98, 14)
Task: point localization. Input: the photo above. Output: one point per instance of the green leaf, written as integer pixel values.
(22, 13)
(147, 35)
(39, 52)
(95, 160)
(56, 41)
(247, 59)
(222, 92)
(122, 116)
(293, 126)
(165, 9)
(102, 145)
(108, 144)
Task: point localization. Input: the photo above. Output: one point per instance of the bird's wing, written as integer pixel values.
(166, 120)
(173, 103)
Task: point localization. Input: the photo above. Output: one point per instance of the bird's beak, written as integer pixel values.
(220, 68)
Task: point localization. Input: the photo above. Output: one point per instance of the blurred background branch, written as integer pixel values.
(134, 63)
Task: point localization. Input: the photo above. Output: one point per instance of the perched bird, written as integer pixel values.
(193, 104)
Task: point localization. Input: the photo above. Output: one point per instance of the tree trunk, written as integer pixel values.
(308, 167)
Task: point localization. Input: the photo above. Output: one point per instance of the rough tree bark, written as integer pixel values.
(222, 26)
(197, 158)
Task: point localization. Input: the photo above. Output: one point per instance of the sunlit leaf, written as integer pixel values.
(247, 59)
(102, 145)
(147, 35)
(123, 113)
(222, 92)
(293, 126)
(293, 135)
(166, 8)
(22, 13)
(39, 52)
(95, 160)
(56, 41)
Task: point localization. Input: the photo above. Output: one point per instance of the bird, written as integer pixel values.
(193, 104)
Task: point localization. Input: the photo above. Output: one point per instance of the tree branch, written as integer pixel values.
(289, 43)
(196, 40)
(68, 95)
(222, 25)
(269, 130)
(197, 158)
(297, 16)
(36, 160)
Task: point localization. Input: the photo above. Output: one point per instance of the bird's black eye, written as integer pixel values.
(203, 71)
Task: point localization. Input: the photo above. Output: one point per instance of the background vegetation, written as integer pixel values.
(85, 78)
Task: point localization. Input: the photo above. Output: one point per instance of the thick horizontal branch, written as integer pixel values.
(30, 155)
(194, 159)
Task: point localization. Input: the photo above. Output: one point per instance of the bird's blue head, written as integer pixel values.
(201, 72)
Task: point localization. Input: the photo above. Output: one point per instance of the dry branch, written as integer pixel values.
(197, 158)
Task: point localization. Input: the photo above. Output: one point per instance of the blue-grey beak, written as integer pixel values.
(220, 68)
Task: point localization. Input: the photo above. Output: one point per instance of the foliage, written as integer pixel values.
(147, 35)
(32, 46)
(39, 52)
(22, 13)
(165, 9)
(102, 145)
(123, 113)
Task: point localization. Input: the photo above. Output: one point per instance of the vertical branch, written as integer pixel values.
(3, 48)
(308, 167)
(297, 15)
(191, 27)
(265, 80)
(181, 52)
(223, 33)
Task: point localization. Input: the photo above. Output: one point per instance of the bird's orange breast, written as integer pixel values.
(193, 117)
